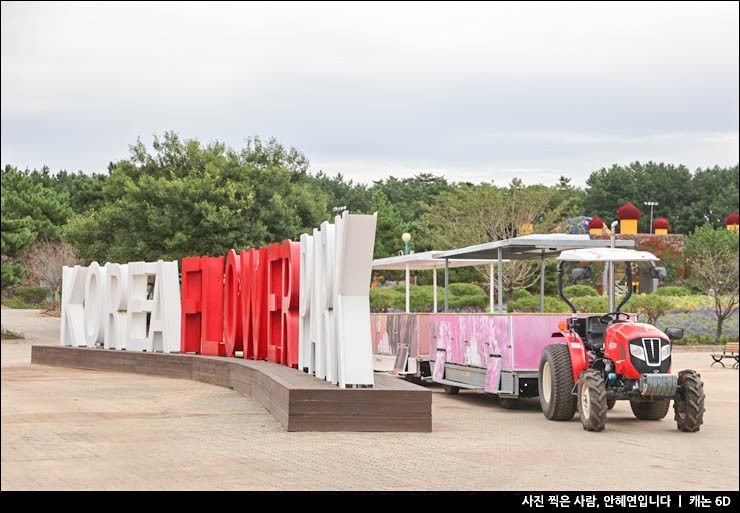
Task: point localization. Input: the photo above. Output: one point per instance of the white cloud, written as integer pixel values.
(366, 88)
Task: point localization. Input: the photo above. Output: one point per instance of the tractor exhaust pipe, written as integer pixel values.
(611, 268)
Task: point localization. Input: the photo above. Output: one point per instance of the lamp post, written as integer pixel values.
(651, 204)
(406, 237)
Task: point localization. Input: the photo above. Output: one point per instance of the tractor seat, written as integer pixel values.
(595, 330)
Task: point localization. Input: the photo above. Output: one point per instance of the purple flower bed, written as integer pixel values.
(700, 322)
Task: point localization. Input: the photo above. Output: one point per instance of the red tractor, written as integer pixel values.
(595, 361)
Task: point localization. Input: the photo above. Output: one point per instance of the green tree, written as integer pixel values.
(712, 255)
(45, 209)
(389, 227)
(357, 198)
(475, 214)
(686, 200)
(29, 211)
(713, 196)
(16, 234)
(186, 199)
(410, 196)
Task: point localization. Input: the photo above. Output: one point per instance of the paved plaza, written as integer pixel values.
(66, 429)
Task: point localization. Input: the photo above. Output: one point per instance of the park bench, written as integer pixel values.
(730, 351)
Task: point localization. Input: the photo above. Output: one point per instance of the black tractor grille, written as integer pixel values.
(651, 352)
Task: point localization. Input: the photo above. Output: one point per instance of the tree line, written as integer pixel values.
(181, 198)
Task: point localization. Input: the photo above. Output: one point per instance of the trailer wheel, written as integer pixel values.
(592, 400)
(510, 403)
(650, 410)
(556, 382)
(451, 390)
(689, 403)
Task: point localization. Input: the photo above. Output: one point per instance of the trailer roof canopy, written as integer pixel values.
(531, 246)
(606, 255)
(423, 261)
(427, 260)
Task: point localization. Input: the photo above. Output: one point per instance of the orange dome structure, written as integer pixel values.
(628, 215)
(596, 226)
(732, 221)
(660, 226)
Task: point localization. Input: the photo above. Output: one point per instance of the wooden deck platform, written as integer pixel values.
(298, 401)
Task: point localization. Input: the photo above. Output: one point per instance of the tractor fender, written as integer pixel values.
(578, 358)
(576, 348)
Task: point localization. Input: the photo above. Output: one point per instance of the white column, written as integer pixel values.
(434, 284)
(407, 288)
(490, 287)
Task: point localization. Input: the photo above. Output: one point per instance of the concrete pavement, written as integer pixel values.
(73, 429)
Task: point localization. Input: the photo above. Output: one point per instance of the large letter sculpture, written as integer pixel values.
(305, 355)
(356, 238)
(116, 306)
(335, 336)
(132, 306)
(233, 304)
(259, 305)
(290, 303)
(212, 303)
(274, 302)
(73, 311)
(192, 287)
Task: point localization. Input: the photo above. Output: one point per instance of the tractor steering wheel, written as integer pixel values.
(613, 317)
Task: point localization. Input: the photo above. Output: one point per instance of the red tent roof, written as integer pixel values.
(595, 223)
(661, 224)
(628, 211)
(732, 219)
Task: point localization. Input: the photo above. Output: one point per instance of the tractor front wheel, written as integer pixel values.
(592, 400)
(556, 382)
(451, 390)
(689, 403)
(650, 410)
(610, 402)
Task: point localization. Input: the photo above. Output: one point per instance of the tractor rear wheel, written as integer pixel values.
(650, 410)
(689, 403)
(592, 400)
(556, 382)
(451, 390)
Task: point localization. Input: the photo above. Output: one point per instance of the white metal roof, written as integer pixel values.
(606, 255)
(532, 246)
(425, 260)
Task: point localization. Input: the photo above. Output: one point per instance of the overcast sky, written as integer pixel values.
(479, 91)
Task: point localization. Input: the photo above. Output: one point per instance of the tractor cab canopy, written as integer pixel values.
(609, 256)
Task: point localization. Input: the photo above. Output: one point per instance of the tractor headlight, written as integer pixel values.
(637, 352)
(665, 352)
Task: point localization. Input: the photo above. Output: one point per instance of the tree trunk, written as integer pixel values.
(720, 320)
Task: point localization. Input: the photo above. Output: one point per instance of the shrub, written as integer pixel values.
(520, 294)
(591, 304)
(650, 307)
(421, 297)
(466, 289)
(672, 291)
(11, 335)
(460, 302)
(32, 295)
(383, 298)
(572, 291)
(532, 304)
(14, 302)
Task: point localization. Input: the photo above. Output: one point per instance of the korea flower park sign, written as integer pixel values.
(301, 304)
